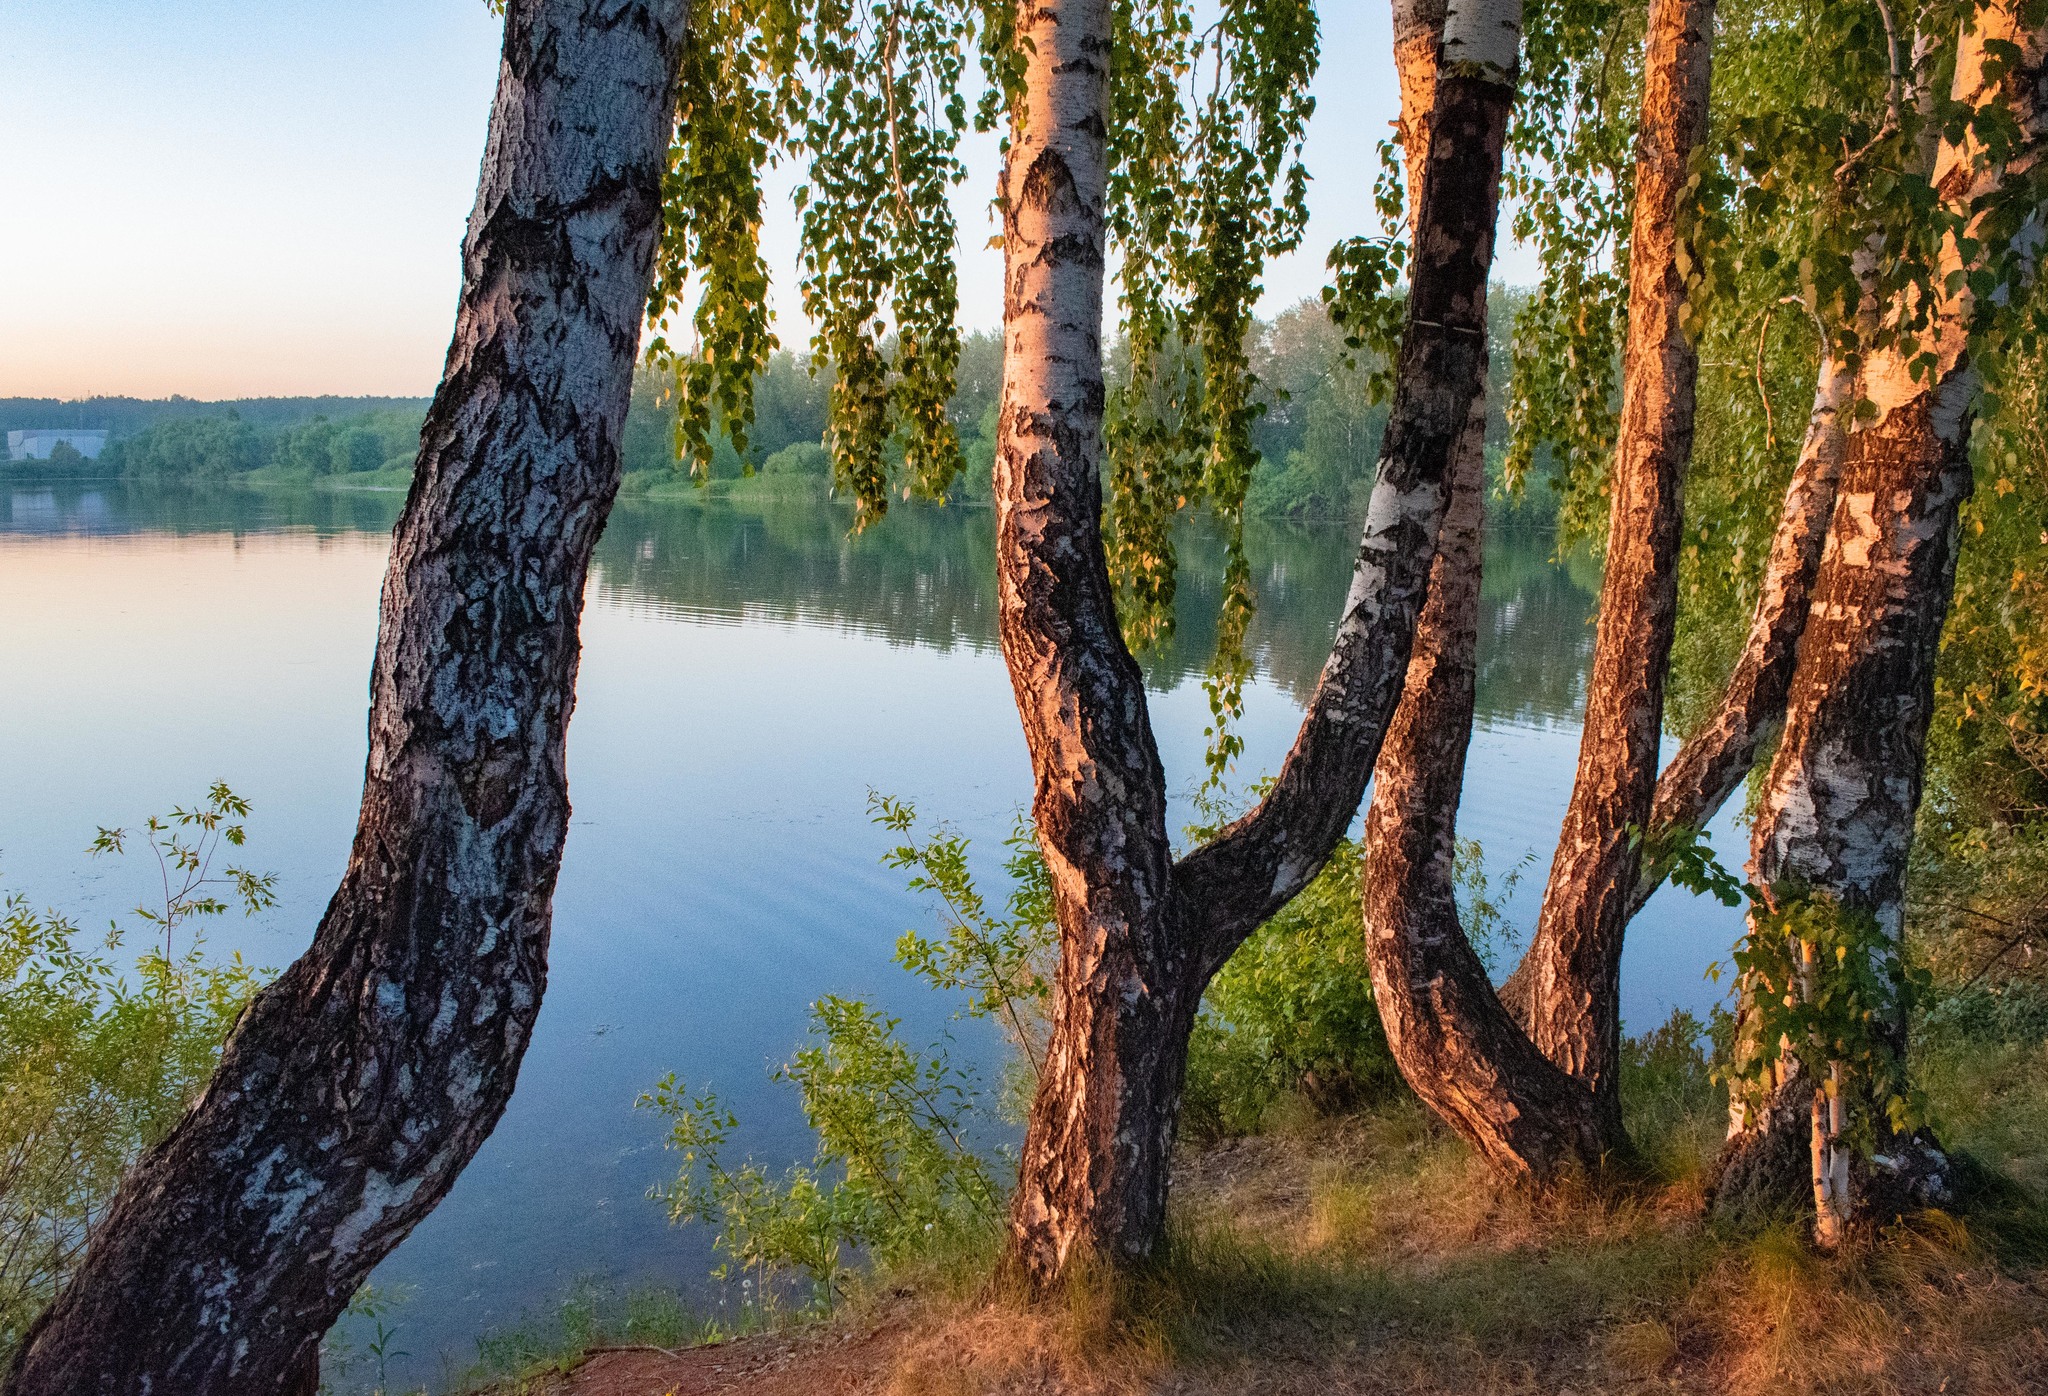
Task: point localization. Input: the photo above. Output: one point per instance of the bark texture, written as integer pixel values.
(1140, 935)
(1842, 794)
(1717, 758)
(1573, 967)
(1455, 1043)
(1095, 1155)
(1452, 1039)
(1844, 788)
(1418, 35)
(359, 1084)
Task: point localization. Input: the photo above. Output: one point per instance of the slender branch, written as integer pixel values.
(1763, 392)
(1894, 102)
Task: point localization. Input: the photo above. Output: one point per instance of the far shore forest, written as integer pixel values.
(1317, 434)
(1283, 1109)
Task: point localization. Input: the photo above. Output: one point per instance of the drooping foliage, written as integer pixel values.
(1812, 207)
(871, 96)
(1206, 183)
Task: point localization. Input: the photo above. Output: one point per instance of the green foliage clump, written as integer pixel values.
(1676, 1110)
(1823, 984)
(1978, 910)
(894, 1173)
(898, 1171)
(225, 448)
(191, 448)
(1832, 989)
(1001, 963)
(1292, 1013)
(99, 1059)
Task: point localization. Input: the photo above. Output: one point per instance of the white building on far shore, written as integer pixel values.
(38, 443)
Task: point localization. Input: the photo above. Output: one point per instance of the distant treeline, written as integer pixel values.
(1318, 438)
(129, 416)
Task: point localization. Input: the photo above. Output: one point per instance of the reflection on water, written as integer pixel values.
(927, 577)
(747, 677)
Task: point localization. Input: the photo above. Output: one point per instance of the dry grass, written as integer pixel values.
(1372, 1255)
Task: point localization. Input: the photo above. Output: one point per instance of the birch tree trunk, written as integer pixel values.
(358, 1085)
(1095, 1155)
(1140, 935)
(1573, 966)
(1839, 804)
(1717, 758)
(1454, 1042)
(1838, 808)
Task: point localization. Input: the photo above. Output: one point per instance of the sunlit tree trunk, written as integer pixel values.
(1453, 1041)
(1140, 935)
(357, 1086)
(1572, 1002)
(1839, 804)
(1838, 808)
(1716, 759)
(1541, 1104)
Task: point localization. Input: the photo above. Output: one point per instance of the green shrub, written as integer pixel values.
(799, 458)
(1675, 1109)
(893, 1175)
(98, 1060)
(1292, 1013)
(897, 1172)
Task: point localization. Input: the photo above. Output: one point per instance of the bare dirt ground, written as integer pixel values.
(808, 1364)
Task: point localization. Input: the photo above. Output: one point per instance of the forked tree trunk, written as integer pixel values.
(1572, 1004)
(1140, 935)
(1544, 1104)
(1839, 805)
(1095, 1156)
(357, 1086)
(1716, 759)
(1454, 1042)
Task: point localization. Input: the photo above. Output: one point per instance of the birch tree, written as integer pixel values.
(359, 1084)
(1836, 819)
(1142, 933)
(1544, 1103)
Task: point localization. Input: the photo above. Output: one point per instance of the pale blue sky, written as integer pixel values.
(237, 198)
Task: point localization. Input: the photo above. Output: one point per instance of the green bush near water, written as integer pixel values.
(101, 1055)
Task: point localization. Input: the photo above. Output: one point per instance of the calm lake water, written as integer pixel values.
(748, 677)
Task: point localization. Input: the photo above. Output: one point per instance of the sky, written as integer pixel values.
(236, 198)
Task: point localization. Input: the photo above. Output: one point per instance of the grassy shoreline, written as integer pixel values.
(1370, 1252)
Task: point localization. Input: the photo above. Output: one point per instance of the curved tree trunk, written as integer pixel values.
(1573, 968)
(1839, 804)
(1455, 1043)
(1716, 759)
(357, 1086)
(1140, 935)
